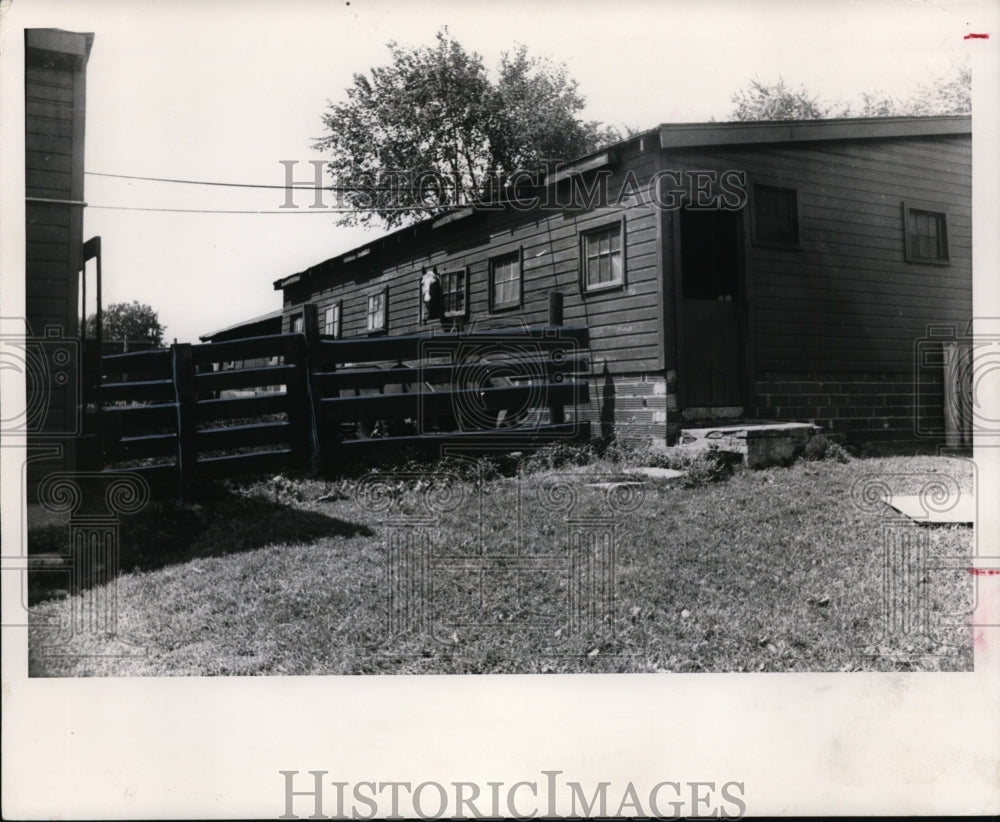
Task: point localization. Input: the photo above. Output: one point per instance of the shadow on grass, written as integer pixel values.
(166, 533)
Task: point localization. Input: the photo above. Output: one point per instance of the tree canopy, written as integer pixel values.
(946, 93)
(776, 101)
(431, 130)
(128, 321)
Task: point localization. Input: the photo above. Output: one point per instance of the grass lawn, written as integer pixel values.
(772, 570)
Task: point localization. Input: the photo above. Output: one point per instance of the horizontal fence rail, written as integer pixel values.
(271, 403)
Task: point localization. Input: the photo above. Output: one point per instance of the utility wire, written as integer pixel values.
(292, 186)
(196, 182)
(228, 211)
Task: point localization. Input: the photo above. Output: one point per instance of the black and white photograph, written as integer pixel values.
(624, 376)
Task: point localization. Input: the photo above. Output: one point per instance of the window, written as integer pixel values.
(376, 311)
(926, 235)
(298, 324)
(602, 262)
(505, 281)
(331, 320)
(775, 216)
(454, 297)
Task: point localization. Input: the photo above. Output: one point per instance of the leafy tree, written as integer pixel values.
(431, 130)
(776, 101)
(946, 93)
(128, 321)
(536, 105)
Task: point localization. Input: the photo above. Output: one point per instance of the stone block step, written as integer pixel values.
(760, 443)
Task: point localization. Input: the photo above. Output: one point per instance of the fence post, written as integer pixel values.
(187, 432)
(557, 413)
(301, 408)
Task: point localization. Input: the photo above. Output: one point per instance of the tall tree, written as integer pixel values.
(949, 92)
(776, 101)
(431, 130)
(132, 321)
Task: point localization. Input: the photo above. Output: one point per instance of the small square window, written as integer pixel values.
(926, 235)
(775, 216)
(298, 324)
(377, 304)
(331, 320)
(454, 292)
(602, 263)
(505, 281)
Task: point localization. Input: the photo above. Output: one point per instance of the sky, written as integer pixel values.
(224, 91)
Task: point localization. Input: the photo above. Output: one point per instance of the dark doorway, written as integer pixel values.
(711, 264)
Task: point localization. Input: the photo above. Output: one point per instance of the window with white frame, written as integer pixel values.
(331, 320)
(377, 304)
(602, 262)
(926, 235)
(505, 281)
(454, 292)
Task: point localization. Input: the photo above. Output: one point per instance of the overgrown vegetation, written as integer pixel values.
(723, 569)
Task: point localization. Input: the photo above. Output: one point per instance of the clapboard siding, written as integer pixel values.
(843, 308)
(50, 161)
(47, 127)
(624, 322)
(54, 103)
(847, 297)
(52, 92)
(51, 144)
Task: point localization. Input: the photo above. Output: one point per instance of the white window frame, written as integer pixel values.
(515, 257)
(446, 277)
(614, 233)
(377, 319)
(332, 319)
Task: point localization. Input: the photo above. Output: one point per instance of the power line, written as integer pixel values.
(324, 210)
(296, 210)
(290, 187)
(196, 182)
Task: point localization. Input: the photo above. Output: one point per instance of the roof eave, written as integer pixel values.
(691, 135)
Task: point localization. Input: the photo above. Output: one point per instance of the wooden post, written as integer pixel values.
(187, 433)
(310, 321)
(301, 410)
(557, 413)
(312, 329)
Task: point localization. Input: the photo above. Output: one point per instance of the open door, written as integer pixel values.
(711, 259)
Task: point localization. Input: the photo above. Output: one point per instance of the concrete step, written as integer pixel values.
(760, 443)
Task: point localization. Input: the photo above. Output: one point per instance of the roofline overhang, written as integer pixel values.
(697, 135)
(693, 135)
(270, 315)
(58, 46)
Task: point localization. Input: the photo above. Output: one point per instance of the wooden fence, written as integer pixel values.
(268, 404)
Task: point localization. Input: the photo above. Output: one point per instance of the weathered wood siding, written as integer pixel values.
(55, 89)
(624, 323)
(832, 327)
(848, 296)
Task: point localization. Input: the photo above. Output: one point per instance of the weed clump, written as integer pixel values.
(821, 447)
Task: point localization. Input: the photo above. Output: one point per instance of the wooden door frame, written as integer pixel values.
(742, 307)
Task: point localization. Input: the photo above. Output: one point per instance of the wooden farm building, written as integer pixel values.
(54, 114)
(763, 271)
